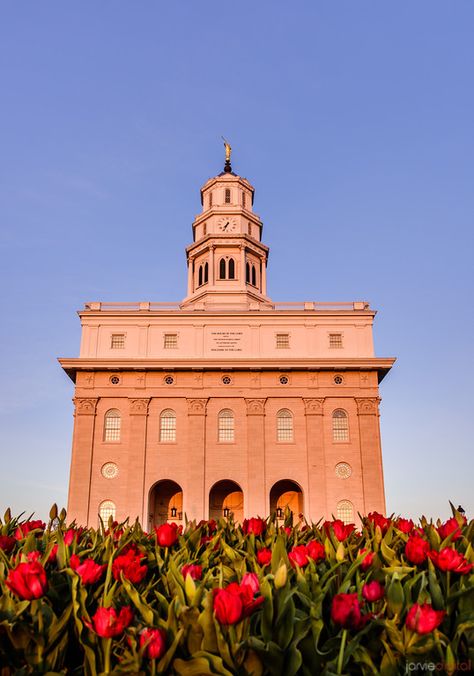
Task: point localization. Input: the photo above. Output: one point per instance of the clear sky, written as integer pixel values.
(353, 120)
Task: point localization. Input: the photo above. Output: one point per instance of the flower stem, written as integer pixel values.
(340, 659)
(107, 647)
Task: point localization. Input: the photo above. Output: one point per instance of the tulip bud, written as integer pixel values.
(190, 588)
(8, 515)
(53, 512)
(281, 576)
(340, 553)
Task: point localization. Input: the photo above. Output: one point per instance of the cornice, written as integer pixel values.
(380, 364)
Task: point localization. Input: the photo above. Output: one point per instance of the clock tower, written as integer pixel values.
(227, 261)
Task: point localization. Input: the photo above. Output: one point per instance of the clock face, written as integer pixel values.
(227, 225)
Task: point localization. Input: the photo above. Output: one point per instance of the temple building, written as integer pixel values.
(227, 403)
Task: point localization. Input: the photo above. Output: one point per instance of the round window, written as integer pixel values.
(343, 470)
(226, 380)
(284, 380)
(115, 380)
(169, 380)
(109, 470)
(338, 380)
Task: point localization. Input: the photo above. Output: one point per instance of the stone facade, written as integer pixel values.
(226, 402)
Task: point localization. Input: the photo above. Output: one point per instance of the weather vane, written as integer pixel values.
(228, 151)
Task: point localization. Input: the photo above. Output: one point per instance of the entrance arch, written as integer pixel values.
(165, 503)
(226, 495)
(286, 493)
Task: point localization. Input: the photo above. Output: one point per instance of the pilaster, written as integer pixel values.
(194, 495)
(138, 412)
(81, 459)
(256, 502)
(316, 501)
(371, 454)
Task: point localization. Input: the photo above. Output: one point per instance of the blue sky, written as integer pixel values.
(353, 120)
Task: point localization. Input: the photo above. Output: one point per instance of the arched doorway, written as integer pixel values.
(226, 497)
(166, 503)
(286, 493)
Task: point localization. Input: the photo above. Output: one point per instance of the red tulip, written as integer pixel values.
(405, 525)
(416, 549)
(373, 591)
(298, 556)
(193, 570)
(450, 559)
(25, 528)
(210, 525)
(345, 611)
(89, 571)
(368, 559)
(423, 619)
(340, 529)
(108, 623)
(251, 580)
(167, 534)
(129, 565)
(451, 526)
(379, 520)
(73, 534)
(28, 580)
(264, 556)
(256, 526)
(7, 543)
(228, 605)
(315, 550)
(155, 640)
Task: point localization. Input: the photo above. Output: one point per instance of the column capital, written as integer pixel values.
(313, 406)
(85, 406)
(368, 405)
(255, 406)
(138, 406)
(197, 406)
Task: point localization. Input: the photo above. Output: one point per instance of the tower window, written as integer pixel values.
(284, 425)
(222, 268)
(117, 341)
(204, 229)
(231, 268)
(243, 200)
(106, 510)
(206, 273)
(171, 339)
(227, 196)
(168, 425)
(200, 276)
(226, 426)
(210, 199)
(254, 276)
(283, 340)
(247, 273)
(340, 426)
(112, 424)
(345, 511)
(335, 340)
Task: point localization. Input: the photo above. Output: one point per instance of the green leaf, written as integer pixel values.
(143, 608)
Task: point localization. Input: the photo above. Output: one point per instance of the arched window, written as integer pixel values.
(226, 425)
(231, 268)
(345, 511)
(112, 423)
(106, 510)
(206, 273)
(254, 276)
(222, 268)
(340, 426)
(247, 273)
(284, 425)
(200, 276)
(168, 425)
(227, 196)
